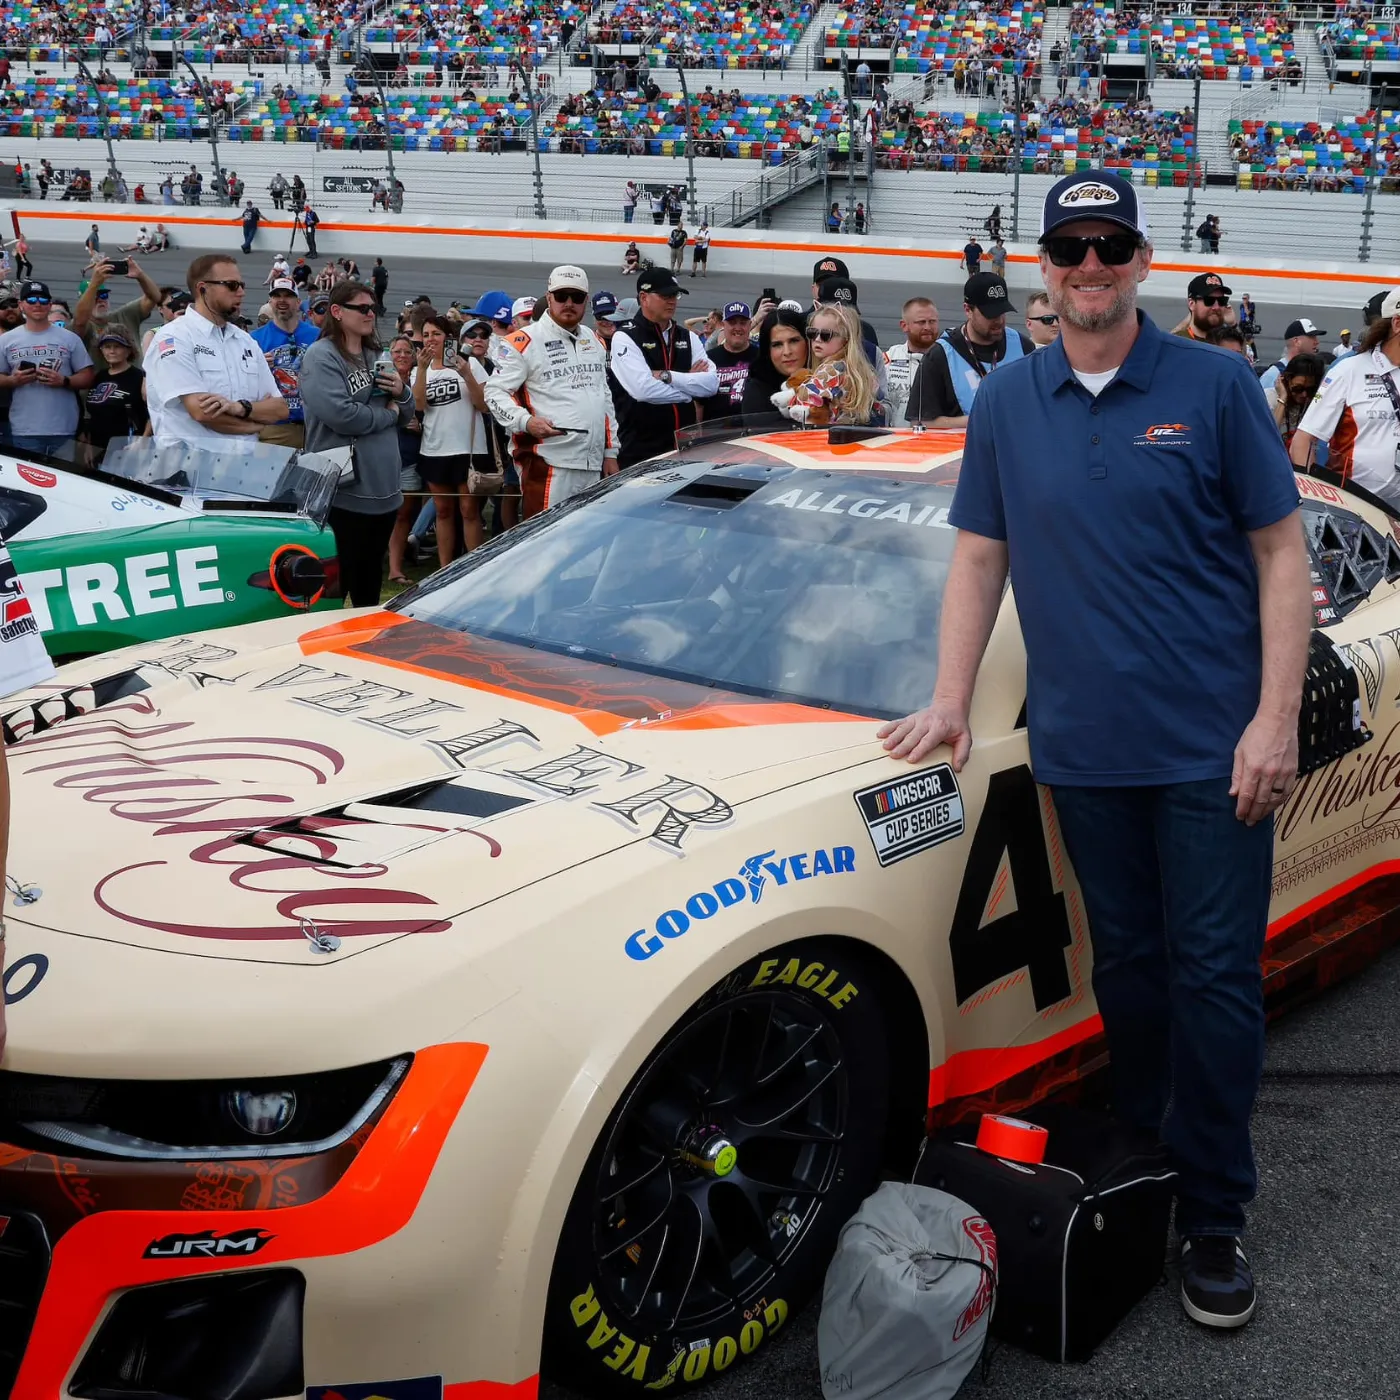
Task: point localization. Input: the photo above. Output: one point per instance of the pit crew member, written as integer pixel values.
(550, 391)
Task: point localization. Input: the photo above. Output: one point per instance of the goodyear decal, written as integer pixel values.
(756, 875)
(691, 1362)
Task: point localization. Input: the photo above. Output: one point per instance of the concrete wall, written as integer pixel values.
(757, 254)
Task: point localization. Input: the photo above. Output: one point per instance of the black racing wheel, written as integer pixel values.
(709, 1208)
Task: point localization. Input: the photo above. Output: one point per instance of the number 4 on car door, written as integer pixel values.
(1036, 933)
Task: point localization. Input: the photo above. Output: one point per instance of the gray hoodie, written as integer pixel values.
(337, 396)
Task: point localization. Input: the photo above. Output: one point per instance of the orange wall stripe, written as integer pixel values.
(375, 1199)
(572, 236)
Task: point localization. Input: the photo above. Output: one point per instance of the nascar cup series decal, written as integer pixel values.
(757, 874)
(911, 814)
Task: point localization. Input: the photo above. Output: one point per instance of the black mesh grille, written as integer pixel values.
(1329, 723)
(24, 1265)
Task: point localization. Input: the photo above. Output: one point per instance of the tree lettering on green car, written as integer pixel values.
(1036, 933)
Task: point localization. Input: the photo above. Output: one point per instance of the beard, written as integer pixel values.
(1117, 311)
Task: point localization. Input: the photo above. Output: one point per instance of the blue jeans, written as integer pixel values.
(47, 444)
(1177, 893)
(628, 212)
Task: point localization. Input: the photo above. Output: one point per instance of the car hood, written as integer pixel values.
(266, 792)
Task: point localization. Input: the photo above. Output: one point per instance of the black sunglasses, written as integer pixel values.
(823, 335)
(1214, 301)
(1114, 249)
(363, 307)
(570, 298)
(232, 283)
(1050, 320)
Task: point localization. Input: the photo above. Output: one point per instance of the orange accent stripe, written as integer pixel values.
(972, 1071)
(571, 236)
(351, 632)
(375, 1199)
(599, 722)
(1296, 916)
(493, 1390)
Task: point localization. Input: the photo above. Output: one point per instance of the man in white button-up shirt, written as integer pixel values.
(207, 383)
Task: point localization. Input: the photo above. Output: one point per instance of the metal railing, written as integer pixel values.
(773, 187)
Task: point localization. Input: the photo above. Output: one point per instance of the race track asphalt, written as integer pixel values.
(880, 301)
(1327, 1130)
(1322, 1242)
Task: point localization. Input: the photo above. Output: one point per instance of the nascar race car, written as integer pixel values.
(159, 543)
(537, 973)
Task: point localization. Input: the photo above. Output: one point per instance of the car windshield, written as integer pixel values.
(261, 476)
(818, 587)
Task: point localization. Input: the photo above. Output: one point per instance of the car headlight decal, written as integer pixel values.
(255, 1115)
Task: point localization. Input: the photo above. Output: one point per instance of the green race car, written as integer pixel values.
(162, 542)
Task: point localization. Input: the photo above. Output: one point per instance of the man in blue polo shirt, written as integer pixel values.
(1136, 487)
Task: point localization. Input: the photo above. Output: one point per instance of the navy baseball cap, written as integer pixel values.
(737, 308)
(604, 304)
(1096, 194)
(495, 306)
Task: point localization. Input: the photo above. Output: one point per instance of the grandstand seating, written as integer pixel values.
(138, 108)
(1218, 43)
(427, 121)
(1274, 153)
(931, 39)
(493, 33)
(972, 140)
(264, 26)
(39, 30)
(1368, 41)
(760, 126)
(718, 35)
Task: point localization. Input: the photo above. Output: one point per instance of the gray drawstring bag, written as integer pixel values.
(907, 1298)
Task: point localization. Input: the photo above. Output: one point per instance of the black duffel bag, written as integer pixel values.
(1080, 1237)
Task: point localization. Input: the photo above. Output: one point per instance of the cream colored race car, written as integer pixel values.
(536, 974)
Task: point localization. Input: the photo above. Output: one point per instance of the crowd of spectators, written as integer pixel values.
(1054, 131)
(939, 35)
(455, 39)
(704, 32)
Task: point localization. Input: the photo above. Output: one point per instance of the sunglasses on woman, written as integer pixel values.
(1114, 249)
(823, 335)
(363, 307)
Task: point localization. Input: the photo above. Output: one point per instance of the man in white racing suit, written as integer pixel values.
(550, 392)
(919, 321)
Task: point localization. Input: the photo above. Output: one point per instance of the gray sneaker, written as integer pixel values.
(1217, 1284)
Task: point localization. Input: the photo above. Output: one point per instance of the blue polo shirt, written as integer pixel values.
(1125, 518)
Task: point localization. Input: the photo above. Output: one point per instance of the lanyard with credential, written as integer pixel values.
(1388, 379)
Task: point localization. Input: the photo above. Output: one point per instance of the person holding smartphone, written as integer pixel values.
(448, 396)
(94, 314)
(354, 399)
(42, 365)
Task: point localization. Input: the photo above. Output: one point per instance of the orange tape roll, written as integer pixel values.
(1011, 1138)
